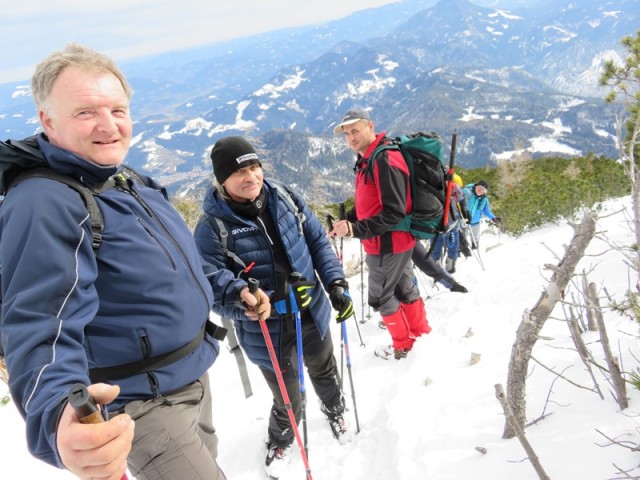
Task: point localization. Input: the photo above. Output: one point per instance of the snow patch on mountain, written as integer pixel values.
(21, 91)
(239, 124)
(587, 82)
(504, 14)
(563, 35)
(611, 13)
(194, 126)
(551, 145)
(469, 115)
(290, 82)
(387, 64)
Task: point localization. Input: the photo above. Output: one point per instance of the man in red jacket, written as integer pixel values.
(382, 199)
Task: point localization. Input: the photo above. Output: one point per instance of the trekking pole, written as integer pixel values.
(345, 346)
(329, 220)
(294, 277)
(86, 408)
(362, 317)
(420, 276)
(475, 251)
(253, 288)
(343, 216)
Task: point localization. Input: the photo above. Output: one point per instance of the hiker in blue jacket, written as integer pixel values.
(272, 233)
(478, 206)
(73, 315)
(451, 238)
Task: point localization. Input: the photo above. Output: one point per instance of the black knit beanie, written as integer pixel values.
(482, 183)
(230, 154)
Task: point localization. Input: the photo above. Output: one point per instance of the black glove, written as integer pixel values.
(466, 214)
(302, 292)
(496, 220)
(456, 287)
(341, 302)
(299, 297)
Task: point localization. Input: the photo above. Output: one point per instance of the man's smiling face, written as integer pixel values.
(87, 113)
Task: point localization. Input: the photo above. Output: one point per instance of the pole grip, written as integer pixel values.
(294, 277)
(329, 220)
(341, 211)
(254, 284)
(85, 407)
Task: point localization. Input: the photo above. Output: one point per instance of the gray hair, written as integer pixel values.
(220, 189)
(73, 55)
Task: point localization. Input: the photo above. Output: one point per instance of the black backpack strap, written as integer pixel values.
(87, 194)
(146, 365)
(287, 197)
(223, 233)
(129, 172)
(388, 144)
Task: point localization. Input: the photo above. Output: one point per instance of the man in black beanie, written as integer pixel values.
(230, 154)
(263, 230)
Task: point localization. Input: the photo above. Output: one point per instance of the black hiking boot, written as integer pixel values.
(276, 461)
(339, 427)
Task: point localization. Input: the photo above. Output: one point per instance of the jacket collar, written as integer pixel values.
(69, 163)
(362, 160)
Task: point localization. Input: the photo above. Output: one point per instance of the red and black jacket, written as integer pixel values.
(382, 200)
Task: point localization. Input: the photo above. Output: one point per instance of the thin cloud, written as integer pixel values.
(133, 28)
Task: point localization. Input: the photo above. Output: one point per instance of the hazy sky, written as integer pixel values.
(31, 29)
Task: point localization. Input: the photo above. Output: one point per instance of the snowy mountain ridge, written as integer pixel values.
(503, 78)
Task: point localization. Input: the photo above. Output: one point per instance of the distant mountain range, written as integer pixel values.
(526, 77)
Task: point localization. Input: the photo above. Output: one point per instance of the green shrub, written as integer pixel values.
(551, 189)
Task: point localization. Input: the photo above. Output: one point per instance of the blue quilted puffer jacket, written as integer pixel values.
(308, 251)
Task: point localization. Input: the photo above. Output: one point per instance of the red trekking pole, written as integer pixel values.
(253, 288)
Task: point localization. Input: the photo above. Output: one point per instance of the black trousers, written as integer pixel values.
(323, 373)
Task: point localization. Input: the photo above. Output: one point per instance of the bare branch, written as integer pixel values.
(560, 375)
(531, 454)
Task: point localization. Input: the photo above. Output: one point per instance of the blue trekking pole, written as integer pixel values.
(345, 347)
(294, 277)
(344, 341)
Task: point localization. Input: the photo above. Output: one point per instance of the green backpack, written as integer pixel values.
(423, 155)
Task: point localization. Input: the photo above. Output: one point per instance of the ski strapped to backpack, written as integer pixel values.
(423, 155)
(29, 166)
(450, 173)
